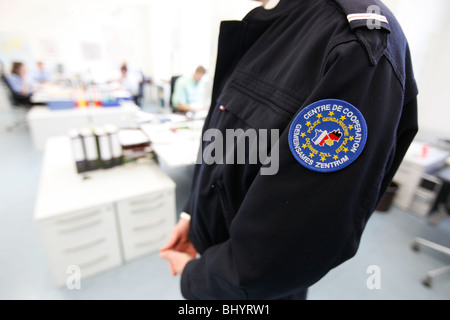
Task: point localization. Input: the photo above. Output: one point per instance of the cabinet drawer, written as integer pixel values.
(146, 222)
(136, 244)
(89, 261)
(146, 209)
(78, 229)
(91, 254)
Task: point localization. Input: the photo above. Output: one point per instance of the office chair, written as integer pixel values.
(16, 99)
(443, 210)
(139, 98)
(20, 103)
(173, 80)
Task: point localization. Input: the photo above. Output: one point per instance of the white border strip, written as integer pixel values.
(366, 16)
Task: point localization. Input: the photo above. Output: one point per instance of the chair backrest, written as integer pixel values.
(11, 93)
(444, 196)
(16, 99)
(173, 80)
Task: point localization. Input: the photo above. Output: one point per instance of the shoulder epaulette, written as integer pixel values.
(365, 18)
(364, 14)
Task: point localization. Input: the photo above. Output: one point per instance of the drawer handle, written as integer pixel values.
(147, 209)
(85, 246)
(149, 242)
(148, 199)
(81, 227)
(93, 262)
(78, 217)
(149, 225)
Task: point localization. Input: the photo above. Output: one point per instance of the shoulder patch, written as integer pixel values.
(328, 135)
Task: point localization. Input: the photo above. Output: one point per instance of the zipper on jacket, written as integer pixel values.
(227, 209)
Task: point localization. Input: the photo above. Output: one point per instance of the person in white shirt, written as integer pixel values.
(129, 82)
(41, 75)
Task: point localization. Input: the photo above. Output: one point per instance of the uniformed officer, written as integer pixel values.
(334, 77)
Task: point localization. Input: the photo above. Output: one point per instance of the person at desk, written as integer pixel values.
(41, 75)
(189, 92)
(129, 82)
(19, 83)
(333, 88)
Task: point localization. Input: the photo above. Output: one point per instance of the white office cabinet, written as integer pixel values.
(145, 225)
(86, 239)
(407, 177)
(101, 219)
(416, 164)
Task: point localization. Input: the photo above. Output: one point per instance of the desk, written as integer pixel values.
(50, 92)
(47, 92)
(100, 220)
(176, 144)
(45, 123)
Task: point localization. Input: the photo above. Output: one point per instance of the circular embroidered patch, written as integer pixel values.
(328, 135)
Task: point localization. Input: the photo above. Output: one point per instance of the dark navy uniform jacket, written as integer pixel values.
(273, 236)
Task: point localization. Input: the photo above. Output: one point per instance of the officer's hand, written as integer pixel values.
(179, 240)
(177, 260)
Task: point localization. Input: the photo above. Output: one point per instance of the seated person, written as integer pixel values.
(129, 82)
(41, 75)
(189, 92)
(19, 84)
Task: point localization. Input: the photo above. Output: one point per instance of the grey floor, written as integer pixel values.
(24, 272)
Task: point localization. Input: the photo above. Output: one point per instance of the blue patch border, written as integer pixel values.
(301, 114)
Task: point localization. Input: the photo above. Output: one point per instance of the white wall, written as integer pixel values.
(427, 29)
(60, 31)
(161, 37)
(186, 33)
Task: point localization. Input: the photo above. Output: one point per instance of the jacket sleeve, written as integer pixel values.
(294, 227)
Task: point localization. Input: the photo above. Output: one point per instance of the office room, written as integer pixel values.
(178, 150)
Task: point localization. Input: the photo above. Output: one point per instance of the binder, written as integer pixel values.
(104, 148)
(90, 148)
(78, 151)
(116, 147)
